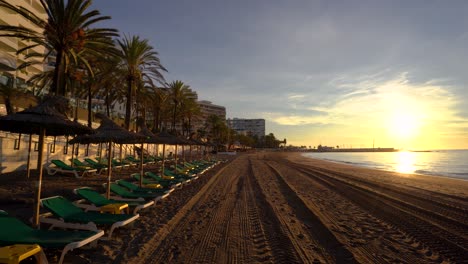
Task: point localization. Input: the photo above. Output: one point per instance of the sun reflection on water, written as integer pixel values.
(405, 162)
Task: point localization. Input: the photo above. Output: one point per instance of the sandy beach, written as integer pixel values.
(279, 208)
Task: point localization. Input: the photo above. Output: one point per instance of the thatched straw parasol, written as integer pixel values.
(194, 142)
(45, 119)
(109, 132)
(169, 139)
(48, 115)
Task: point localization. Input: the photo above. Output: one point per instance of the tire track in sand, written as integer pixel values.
(331, 249)
(221, 224)
(276, 232)
(440, 238)
(370, 239)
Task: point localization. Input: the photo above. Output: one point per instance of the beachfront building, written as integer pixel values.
(9, 60)
(207, 109)
(253, 127)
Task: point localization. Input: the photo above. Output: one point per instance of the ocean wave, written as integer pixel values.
(352, 162)
(425, 172)
(458, 175)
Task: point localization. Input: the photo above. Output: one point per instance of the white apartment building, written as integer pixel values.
(207, 109)
(9, 60)
(254, 127)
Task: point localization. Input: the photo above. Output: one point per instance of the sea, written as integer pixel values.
(447, 163)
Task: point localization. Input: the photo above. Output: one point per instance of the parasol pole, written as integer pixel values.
(120, 155)
(190, 153)
(73, 154)
(183, 154)
(28, 164)
(39, 180)
(109, 170)
(141, 165)
(175, 159)
(164, 159)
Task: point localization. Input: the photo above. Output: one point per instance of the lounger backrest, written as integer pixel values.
(152, 175)
(78, 162)
(118, 189)
(90, 161)
(60, 164)
(60, 206)
(136, 176)
(92, 196)
(127, 185)
(167, 171)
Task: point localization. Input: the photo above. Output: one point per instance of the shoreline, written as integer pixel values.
(381, 166)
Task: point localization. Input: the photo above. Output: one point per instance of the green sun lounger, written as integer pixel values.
(99, 200)
(61, 167)
(95, 163)
(168, 184)
(99, 167)
(177, 175)
(175, 182)
(67, 214)
(125, 193)
(132, 159)
(14, 231)
(136, 189)
(115, 163)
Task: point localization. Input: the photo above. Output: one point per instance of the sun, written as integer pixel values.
(404, 125)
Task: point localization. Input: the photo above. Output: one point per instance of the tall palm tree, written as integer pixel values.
(140, 63)
(103, 79)
(160, 99)
(65, 33)
(179, 92)
(190, 111)
(217, 128)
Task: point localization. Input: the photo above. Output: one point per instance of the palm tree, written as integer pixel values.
(178, 93)
(160, 99)
(66, 34)
(217, 128)
(140, 63)
(190, 111)
(100, 82)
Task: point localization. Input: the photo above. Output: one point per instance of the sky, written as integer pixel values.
(335, 73)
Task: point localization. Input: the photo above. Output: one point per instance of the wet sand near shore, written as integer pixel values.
(284, 208)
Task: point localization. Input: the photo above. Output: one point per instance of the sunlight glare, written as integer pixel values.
(405, 162)
(404, 125)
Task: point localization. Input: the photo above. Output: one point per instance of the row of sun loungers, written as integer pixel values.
(93, 167)
(87, 216)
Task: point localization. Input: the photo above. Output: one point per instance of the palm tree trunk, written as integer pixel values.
(156, 120)
(107, 103)
(128, 107)
(189, 126)
(9, 106)
(89, 107)
(174, 117)
(56, 81)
